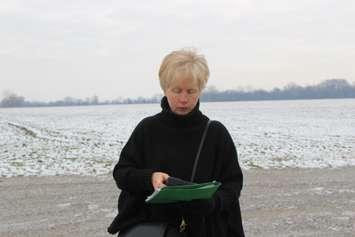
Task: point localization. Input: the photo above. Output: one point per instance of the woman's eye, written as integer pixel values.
(175, 90)
(192, 91)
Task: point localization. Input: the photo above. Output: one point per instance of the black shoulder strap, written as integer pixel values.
(199, 151)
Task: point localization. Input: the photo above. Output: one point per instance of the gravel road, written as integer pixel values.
(285, 202)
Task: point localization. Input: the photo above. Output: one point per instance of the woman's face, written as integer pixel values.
(182, 94)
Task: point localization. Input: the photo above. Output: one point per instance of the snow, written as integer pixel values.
(88, 140)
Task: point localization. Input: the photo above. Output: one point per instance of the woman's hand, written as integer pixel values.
(159, 179)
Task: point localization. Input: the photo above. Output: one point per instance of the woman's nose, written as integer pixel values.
(183, 98)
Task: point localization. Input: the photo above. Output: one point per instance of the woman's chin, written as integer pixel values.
(181, 112)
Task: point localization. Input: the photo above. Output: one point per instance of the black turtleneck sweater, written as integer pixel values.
(167, 142)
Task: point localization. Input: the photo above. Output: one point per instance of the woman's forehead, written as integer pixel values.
(184, 80)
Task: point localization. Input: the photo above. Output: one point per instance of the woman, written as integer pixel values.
(166, 144)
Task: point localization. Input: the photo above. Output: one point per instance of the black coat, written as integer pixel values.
(168, 143)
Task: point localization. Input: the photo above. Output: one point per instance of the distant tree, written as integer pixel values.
(94, 100)
(337, 84)
(12, 100)
(335, 88)
(69, 100)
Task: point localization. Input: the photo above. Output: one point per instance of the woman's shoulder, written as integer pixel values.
(147, 121)
(215, 124)
(219, 130)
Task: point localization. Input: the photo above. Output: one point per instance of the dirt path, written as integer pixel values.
(287, 202)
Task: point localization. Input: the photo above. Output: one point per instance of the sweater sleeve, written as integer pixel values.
(130, 173)
(230, 173)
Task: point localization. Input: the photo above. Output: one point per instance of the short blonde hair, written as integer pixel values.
(185, 61)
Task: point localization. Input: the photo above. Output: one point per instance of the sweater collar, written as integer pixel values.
(195, 117)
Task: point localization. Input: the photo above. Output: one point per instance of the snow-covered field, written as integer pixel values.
(88, 140)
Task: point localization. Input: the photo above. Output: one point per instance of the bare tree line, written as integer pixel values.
(333, 88)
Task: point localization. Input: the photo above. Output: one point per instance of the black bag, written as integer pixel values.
(151, 229)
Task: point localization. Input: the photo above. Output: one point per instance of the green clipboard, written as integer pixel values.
(179, 193)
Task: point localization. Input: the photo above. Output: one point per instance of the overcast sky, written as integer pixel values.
(55, 48)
